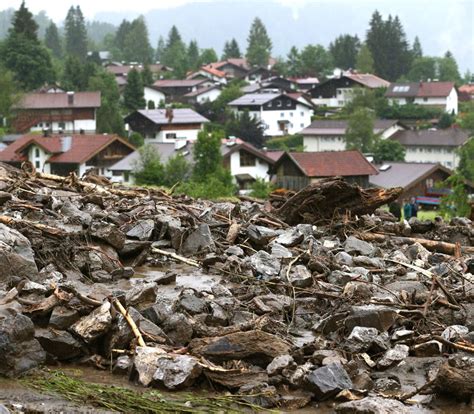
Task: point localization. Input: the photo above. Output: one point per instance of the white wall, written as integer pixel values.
(446, 156)
(88, 125)
(153, 95)
(298, 118)
(326, 143)
(184, 134)
(38, 157)
(210, 96)
(259, 170)
(450, 103)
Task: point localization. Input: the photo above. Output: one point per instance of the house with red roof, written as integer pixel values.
(338, 91)
(211, 73)
(295, 170)
(442, 95)
(68, 112)
(62, 154)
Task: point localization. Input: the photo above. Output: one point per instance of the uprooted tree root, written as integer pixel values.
(127, 400)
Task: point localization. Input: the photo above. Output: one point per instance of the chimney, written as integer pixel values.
(66, 144)
(70, 98)
(169, 114)
(45, 132)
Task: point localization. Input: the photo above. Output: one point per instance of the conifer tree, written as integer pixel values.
(364, 61)
(160, 49)
(133, 97)
(174, 54)
(24, 55)
(193, 55)
(231, 50)
(259, 46)
(76, 35)
(294, 62)
(137, 46)
(53, 41)
(416, 50)
(344, 51)
(147, 76)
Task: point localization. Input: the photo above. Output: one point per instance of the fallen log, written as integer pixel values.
(455, 381)
(328, 197)
(432, 245)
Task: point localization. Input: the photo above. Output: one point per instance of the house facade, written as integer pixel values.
(295, 170)
(153, 94)
(441, 95)
(67, 112)
(279, 113)
(328, 135)
(203, 95)
(433, 146)
(338, 91)
(63, 154)
(177, 88)
(166, 125)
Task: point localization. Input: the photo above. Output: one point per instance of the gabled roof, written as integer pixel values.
(331, 163)
(274, 155)
(339, 127)
(404, 174)
(75, 149)
(59, 100)
(178, 83)
(259, 99)
(213, 71)
(419, 89)
(229, 146)
(451, 137)
(124, 69)
(180, 116)
(368, 80)
(468, 88)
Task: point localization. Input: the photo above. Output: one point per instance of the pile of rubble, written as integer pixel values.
(308, 297)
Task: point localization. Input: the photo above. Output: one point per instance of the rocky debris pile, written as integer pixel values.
(278, 302)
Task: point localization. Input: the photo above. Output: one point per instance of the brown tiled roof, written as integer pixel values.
(274, 155)
(451, 137)
(59, 100)
(229, 147)
(469, 89)
(82, 147)
(331, 164)
(214, 71)
(369, 80)
(419, 89)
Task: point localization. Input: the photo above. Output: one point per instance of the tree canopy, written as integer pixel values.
(231, 50)
(75, 33)
(259, 45)
(360, 131)
(344, 51)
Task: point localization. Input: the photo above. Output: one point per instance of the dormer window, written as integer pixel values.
(278, 103)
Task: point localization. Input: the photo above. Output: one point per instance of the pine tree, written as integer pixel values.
(136, 46)
(231, 50)
(23, 54)
(247, 127)
(259, 46)
(294, 62)
(119, 39)
(160, 49)
(174, 54)
(416, 50)
(76, 35)
(133, 97)
(364, 61)
(147, 76)
(344, 51)
(52, 40)
(193, 55)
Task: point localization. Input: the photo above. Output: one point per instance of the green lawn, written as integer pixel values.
(427, 214)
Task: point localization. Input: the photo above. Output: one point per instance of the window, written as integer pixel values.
(246, 159)
(170, 135)
(429, 183)
(291, 125)
(270, 104)
(282, 115)
(37, 164)
(288, 103)
(61, 125)
(291, 114)
(126, 176)
(278, 103)
(302, 113)
(37, 152)
(301, 125)
(425, 99)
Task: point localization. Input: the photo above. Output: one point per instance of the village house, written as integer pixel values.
(202, 95)
(305, 84)
(234, 68)
(258, 75)
(175, 89)
(57, 112)
(279, 113)
(466, 92)
(62, 154)
(212, 74)
(245, 162)
(432, 146)
(329, 135)
(420, 180)
(441, 95)
(295, 170)
(120, 71)
(166, 125)
(338, 91)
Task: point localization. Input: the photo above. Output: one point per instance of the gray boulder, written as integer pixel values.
(372, 405)
(95, 324)
(61, 344)
(353, 245)
(265, 265)
(176, 371)
(200, 240)
(328, 381)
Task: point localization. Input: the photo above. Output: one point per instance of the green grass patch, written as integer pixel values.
(128, 400)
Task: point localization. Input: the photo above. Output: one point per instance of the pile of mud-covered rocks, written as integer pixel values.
(180, 293)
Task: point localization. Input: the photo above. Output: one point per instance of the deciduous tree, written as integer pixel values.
(360, 131)
(388, 150)
(364, 61)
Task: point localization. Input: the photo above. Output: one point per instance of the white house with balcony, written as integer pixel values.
(279, 113)
(441, 95)
(329, 135)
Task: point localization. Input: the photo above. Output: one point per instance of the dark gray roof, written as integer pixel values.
(452, 137)
(165, 149)
(180, 116)
(251, 99)
(338, 127)
(402, 174)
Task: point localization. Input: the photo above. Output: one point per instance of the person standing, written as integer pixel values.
(406, 210)
(414, 207)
